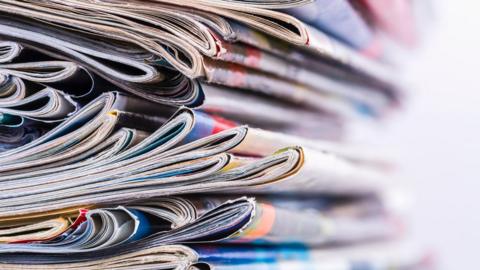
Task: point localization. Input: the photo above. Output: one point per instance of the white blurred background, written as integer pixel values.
(437, 137)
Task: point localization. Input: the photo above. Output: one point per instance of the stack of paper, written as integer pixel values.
(197, 134)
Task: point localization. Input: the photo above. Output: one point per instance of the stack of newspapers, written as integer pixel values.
(198, 134)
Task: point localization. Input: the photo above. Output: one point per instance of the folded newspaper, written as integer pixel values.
(197, 134)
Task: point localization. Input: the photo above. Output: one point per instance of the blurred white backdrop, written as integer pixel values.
(437, 137)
